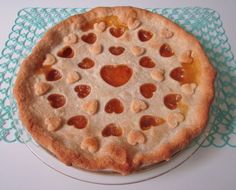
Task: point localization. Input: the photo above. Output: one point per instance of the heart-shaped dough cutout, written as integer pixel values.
(86, 63)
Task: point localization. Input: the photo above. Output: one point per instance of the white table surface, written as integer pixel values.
(210, 168)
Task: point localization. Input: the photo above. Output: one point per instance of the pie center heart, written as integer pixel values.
(116, 75)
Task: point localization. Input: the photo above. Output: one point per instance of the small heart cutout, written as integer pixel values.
(116, 50)
(78, 121)
(117, 32)
(114, 106)
(116, 75)
(90, 38)
(52, 75)
(166, 51)
(148, 121)
(178, 74)
(86, 63)
(66, 52)
(147, 89)
(146, 62)
(83, 90)
(56, 100)
(144, 35)
(171, 100)
(111, 130)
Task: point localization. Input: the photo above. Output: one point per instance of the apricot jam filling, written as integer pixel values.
(50, 73)
(187, 73)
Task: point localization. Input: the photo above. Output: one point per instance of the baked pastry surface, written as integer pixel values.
(115, 89)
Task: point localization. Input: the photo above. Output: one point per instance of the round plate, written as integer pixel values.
(106, 178)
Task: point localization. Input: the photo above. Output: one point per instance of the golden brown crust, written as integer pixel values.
(115, 158)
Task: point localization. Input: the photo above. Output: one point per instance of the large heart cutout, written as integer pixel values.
(114, 106)
(116, 75)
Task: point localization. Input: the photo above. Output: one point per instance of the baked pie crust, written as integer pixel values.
(115, 89)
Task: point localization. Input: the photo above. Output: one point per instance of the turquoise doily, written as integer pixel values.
(205, 24)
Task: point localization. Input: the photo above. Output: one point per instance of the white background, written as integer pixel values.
(210, 168)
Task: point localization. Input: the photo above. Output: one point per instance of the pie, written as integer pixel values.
(115, 89)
